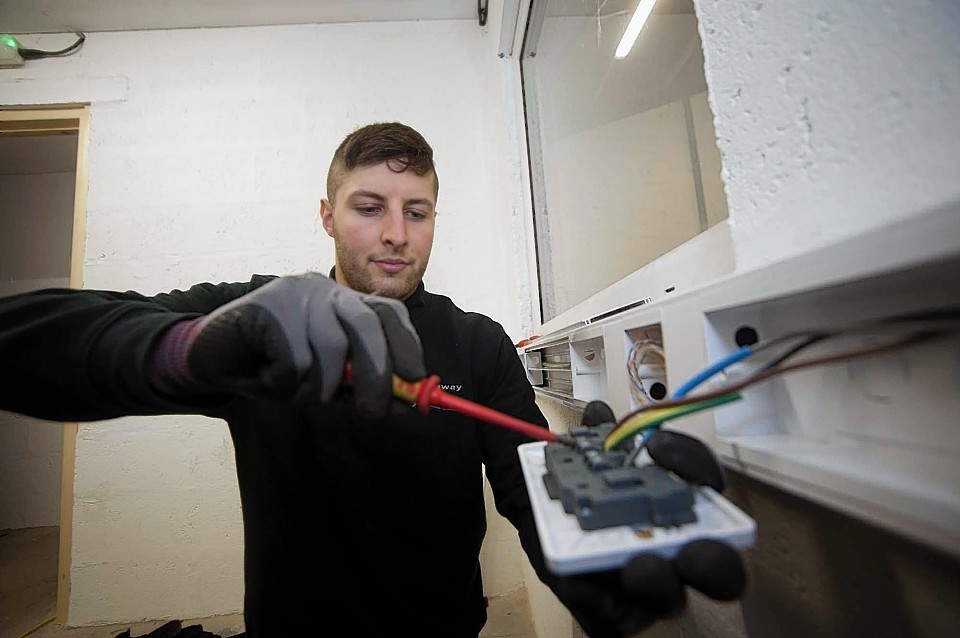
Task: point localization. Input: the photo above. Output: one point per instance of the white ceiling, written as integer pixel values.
(56, 16)
(607, 7)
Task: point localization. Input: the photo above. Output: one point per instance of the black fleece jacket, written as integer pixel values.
(371, 525)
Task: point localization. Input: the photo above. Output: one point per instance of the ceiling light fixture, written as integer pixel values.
(633, 28)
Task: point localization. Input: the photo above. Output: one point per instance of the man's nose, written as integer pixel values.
(394, 228)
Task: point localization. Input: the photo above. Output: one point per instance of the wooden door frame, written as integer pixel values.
(59, 120)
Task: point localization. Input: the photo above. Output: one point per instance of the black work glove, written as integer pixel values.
(624, 602)
(291, 339)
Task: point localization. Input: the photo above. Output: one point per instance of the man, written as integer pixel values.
(355, 509)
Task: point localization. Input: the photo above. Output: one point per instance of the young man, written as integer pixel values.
(354, 508)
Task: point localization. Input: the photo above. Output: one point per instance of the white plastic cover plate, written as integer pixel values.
(568, 549)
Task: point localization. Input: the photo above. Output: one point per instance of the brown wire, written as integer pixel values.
(764, 374)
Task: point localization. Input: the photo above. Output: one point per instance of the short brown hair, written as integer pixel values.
(399, 145)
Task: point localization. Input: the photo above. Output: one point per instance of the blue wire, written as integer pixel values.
(693, 382)
(714, 369)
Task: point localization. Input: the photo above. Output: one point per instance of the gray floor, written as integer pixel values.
(28, 591)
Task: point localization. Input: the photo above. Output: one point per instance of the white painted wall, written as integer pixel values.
(208, 154)
(832, 118)
(36, 217)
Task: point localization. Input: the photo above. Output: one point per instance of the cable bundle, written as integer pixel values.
(645, 353)
(885, 336)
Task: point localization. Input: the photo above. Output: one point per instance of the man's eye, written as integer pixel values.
(416, 214)
(369, 210)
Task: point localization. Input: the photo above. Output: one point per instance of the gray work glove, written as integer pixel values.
(291, 339)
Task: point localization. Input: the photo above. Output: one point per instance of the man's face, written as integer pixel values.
(382, 225)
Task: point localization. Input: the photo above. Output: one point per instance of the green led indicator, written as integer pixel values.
(10, 42)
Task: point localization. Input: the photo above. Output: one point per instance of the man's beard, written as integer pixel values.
(358, 277)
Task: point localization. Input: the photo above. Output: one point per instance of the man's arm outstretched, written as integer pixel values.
(83, 355)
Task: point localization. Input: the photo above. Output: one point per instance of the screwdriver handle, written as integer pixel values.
(419, 393)
(427, 392)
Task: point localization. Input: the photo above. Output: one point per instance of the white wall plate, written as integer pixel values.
(569, 550)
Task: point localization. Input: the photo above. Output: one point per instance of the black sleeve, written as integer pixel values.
(205, 298)
(83, 355)
(507, 389)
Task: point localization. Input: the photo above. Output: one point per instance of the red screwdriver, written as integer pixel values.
(427, 393)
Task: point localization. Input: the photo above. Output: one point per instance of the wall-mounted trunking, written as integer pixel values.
(877, 436)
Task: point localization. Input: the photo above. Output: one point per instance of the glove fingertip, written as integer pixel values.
(595, 413)
(654, 584)
(329, 374)
(714, 568)
(402, 339)
(372, 386)
(687, 457)
(411, 370)
(371, 404)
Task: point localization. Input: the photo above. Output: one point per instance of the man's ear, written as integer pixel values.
(326, 216)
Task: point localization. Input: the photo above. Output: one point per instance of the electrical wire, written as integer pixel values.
(808, 341)
(36, 54)
(749, 351)
(643, 352)
(927, 325)
(765, 374)
(650, 419)
(716, 368)
(860, 353)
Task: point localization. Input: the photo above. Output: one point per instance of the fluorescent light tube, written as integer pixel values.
(633, 29)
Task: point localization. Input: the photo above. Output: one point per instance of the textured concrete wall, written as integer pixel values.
(815, 572)
(832, 117)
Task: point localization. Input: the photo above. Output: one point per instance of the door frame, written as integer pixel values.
(60, 120)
